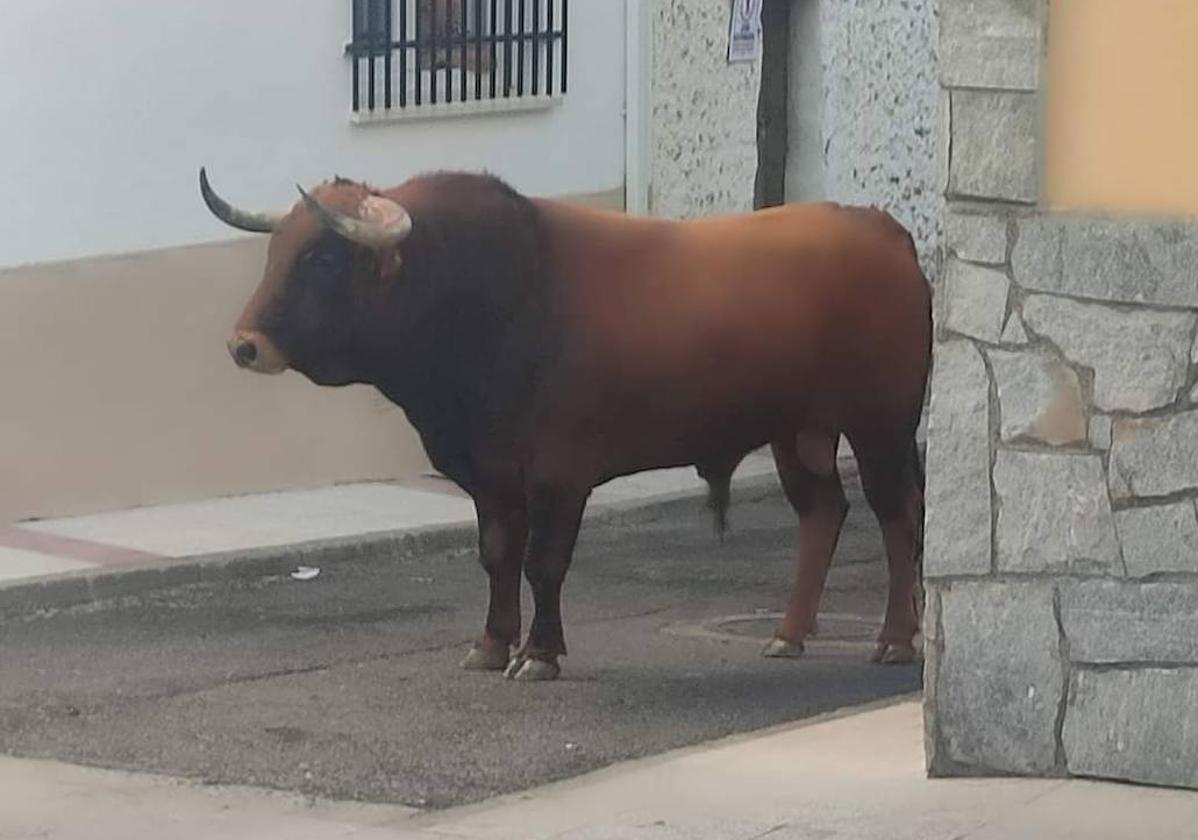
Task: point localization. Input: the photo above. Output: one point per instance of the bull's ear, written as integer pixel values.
(378, 210)
(379, 223)
(389, 261)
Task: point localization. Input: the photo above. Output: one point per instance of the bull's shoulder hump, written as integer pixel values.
(580, 214)
(580, 226)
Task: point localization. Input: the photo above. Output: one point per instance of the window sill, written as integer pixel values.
(447, 110)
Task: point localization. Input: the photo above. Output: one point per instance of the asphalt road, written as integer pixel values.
(348, 686)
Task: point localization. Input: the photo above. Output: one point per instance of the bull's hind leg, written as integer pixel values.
(890, 479)
(807, 468)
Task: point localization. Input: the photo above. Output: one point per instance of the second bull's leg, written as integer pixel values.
(807, 469)
(502, 537)
(889, 477)
(554, 518)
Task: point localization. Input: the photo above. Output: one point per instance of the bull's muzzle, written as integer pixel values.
(254, 351)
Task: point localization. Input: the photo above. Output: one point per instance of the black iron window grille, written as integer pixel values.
(409, 53)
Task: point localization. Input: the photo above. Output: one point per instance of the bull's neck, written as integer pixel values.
(407, 360)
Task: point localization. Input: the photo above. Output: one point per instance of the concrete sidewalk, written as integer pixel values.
(857, 776)
(59, 562)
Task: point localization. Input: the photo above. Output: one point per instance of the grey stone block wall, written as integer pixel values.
(1061, 557)
(704, 121)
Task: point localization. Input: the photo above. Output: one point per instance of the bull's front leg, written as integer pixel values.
(502, 537)
(554, 518)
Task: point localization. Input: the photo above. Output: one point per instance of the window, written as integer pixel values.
(411, 54)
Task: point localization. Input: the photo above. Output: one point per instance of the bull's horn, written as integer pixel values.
(230, 215)
(388, 226)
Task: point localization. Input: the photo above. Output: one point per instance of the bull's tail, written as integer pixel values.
(718, 475)
(719, 499)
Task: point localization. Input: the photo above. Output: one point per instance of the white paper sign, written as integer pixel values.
(744, 35)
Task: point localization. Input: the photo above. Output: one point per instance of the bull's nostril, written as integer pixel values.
(245, 353)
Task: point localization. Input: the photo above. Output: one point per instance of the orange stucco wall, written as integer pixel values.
(1122, 106)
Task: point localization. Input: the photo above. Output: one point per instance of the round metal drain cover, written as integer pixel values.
(839, 628)
(835, 629)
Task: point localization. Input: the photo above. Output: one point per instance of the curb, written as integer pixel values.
(75, 589)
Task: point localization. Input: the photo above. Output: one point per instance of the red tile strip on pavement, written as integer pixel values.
(70, 548)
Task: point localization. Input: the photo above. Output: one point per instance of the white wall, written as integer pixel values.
(109, 107)
(865, 99)
(704, 121)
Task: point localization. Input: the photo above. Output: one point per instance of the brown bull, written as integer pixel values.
(541, 349)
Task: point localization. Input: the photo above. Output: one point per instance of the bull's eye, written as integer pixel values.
(319, 277)
(318, 257)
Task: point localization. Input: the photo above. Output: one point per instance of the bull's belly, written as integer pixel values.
(718, 414)
(665, 439)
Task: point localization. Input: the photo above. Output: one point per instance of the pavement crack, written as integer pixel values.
(625, 616)
(249, 679)
(282, 672)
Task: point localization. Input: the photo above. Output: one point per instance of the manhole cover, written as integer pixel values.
(836, 629)
(842, 628)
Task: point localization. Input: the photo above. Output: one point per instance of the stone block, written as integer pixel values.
(994, 139)
(977, 237)
(975, 300)
(1039, 396)
(1014, 332)
(1159, 539)
(999, 679)
(1134, 725)
(1155, 456)
(1036, 257)
(1054, 514)
(1140, 358)
(933, 653)
(958, 464)
(1108, 622)
(1099, 433)
(991, 44)
(944, 141)
(1150, 261)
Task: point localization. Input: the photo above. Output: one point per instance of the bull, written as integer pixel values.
(541, 349)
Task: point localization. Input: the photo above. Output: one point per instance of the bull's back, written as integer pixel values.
(802, 315)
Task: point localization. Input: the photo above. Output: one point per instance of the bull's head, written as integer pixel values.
(326, 257)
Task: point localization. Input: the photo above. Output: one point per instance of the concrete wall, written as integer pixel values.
(865, 104)
(704, 113)
(118, 288)
(1062, 539)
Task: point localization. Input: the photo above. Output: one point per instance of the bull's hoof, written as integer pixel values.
(486, 658)
(779, 648)
(888, 654)
(524, 669)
